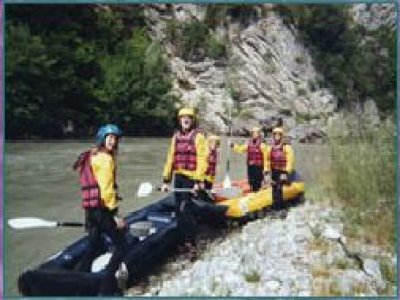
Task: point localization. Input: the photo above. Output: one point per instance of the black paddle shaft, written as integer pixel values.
(70, 224)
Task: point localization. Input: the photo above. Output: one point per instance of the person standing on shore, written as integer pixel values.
(280, 164)
(187, 163)
(97, 172)
(256, 158)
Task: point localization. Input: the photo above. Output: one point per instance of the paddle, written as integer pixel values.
(146, 188)
(31, 222)
(227, 180)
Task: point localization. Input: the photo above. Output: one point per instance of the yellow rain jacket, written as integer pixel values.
(103, 166)
(201, 160)
(243, 148)
(289, 154)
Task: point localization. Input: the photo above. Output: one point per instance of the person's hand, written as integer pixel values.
(202, 186)
(283, 177)
(165, 187)
(119, 222)
(267, 179)
(196, 188)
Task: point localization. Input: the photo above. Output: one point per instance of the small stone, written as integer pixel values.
(330, 233)
(272, 285)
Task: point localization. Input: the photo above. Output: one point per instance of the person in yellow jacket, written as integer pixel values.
(187, 163)
(97, 172)
(256, 158)
(212, 161)
(280, 163)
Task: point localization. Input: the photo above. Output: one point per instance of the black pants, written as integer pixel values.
(277, 193)
(184, 208)
(99, 221)
(208, 185)
(255, 177)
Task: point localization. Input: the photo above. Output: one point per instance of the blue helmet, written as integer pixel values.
(106, 130)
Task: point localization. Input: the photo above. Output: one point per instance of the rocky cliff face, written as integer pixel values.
(374, 15)
(266, 73)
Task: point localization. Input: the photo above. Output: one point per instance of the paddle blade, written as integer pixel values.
(29, 222)
(228, 193)
(144, 189)
(227, 182)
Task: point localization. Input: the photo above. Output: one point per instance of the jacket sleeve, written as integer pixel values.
(240, 148)
(103, 167)
(201, 157)
(167, 174)
(266, 150)
(289, 158)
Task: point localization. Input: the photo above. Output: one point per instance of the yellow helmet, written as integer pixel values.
(186, 111)
(256, 129)
(278, 130)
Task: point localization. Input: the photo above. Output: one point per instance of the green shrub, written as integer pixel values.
(252, 276)
(364, 174)
(215, 47)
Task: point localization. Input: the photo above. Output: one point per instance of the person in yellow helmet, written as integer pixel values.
(187, 163)
(97, 172)
(212, 160)
(280, 166)
(256, 158)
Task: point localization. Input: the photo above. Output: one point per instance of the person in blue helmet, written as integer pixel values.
(97, 174)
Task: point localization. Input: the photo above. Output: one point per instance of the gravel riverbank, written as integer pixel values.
(302, 254)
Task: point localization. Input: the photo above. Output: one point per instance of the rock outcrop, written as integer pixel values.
(374, 15)
(266, 72)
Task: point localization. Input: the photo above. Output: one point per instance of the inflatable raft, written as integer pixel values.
(153, 235)
(253, 202)
(57, 276)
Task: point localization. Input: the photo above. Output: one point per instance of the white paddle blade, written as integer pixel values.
(145, 189)
(227, 182)
(232, 192)
(28, 222)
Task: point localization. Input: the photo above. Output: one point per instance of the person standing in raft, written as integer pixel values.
(280, 165)
(97, 172)
(256, 158)
(187, 162)
(212, 161)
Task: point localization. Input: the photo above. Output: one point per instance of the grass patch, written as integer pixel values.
(388, 271)
(252, 276)
(363, 169)
(341, 263)
(320, 270)
(318, 244)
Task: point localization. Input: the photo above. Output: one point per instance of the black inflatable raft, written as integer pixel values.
(57, 276)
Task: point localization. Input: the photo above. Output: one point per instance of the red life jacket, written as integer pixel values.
(185, 155)
(254, 154)
(90, 190)
(278, 157)
(212, 162)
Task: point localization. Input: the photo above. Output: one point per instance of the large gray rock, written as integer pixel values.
(372, 16)
(267, 69)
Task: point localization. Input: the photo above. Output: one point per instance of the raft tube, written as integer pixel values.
(249, 203)
(58, 276)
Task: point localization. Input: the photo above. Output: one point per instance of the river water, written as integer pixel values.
(39, 182)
